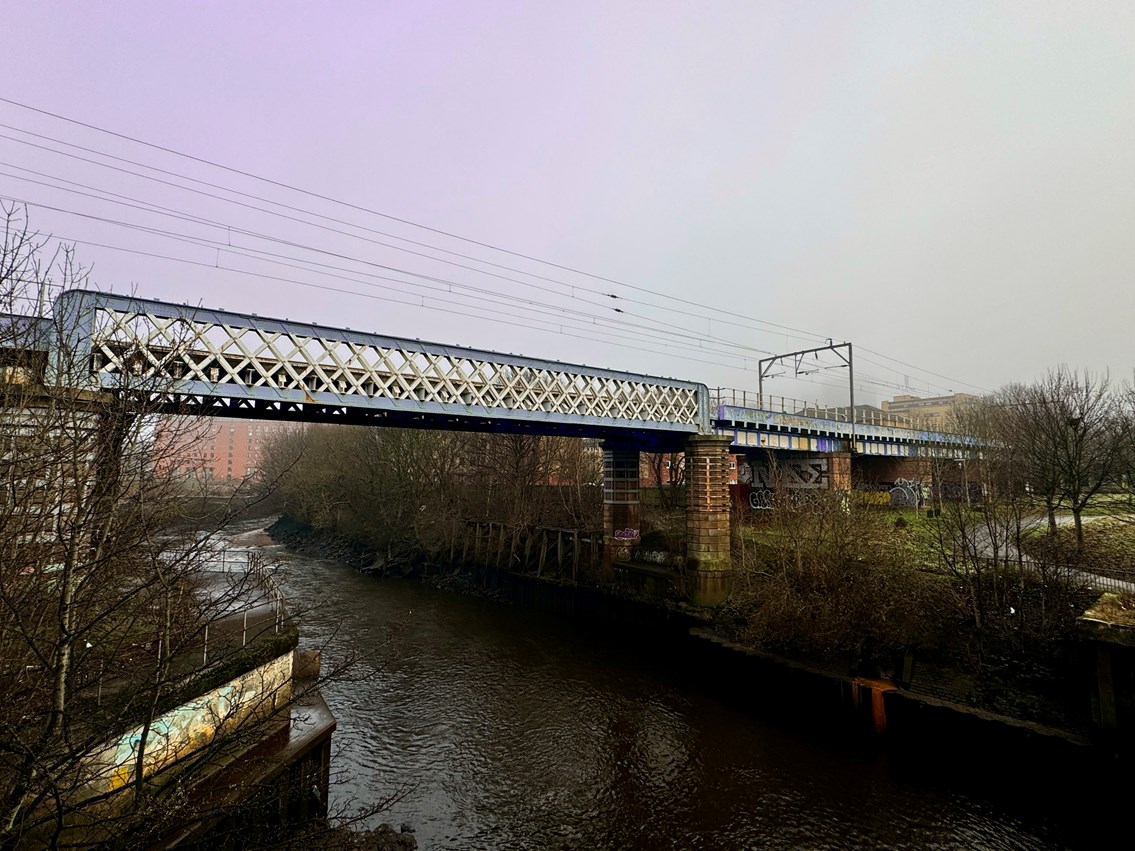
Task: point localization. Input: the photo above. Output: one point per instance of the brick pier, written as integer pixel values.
(708, 557)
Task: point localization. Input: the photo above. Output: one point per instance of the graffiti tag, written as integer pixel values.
(760, 500)
(626, 534)
(906, 493)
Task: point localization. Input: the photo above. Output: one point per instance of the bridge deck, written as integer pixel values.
(757, 428)
(242, 365)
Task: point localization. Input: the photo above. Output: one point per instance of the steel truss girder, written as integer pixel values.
(235, 363)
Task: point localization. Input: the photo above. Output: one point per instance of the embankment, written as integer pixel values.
(807, 694)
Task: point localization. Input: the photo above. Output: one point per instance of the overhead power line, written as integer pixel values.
(358, 208)
(672, 338)
(667, 334)
(779, 329)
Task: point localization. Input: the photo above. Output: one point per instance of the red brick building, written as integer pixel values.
(219, 449)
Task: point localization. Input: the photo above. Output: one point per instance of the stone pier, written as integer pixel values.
(708, 556)
(621, 532)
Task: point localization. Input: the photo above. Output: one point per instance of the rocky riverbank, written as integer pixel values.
(305, 540)
(382, 838)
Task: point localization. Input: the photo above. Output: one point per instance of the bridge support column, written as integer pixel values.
(620, 503)
(839, 471)
(708, 557)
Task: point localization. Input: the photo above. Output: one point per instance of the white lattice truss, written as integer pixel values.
(230, 358)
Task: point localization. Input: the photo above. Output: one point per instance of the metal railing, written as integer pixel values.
(1067, 573)
(245, 563)
(801, 408)
(252, 564)
(222, 633)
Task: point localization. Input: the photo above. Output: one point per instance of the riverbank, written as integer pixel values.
(512, 726)
(938, 703)
(303, 539)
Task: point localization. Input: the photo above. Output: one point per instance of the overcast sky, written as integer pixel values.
(948, 184)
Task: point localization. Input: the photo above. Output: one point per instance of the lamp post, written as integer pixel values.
(965, 481)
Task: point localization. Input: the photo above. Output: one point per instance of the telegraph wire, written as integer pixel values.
(418, 301)
(393, 236)
(779, 329)
(652, 334)
(279, 184)
(807, 334)
(918, 369)
(358, 208)
(147, 206)
(442, 284)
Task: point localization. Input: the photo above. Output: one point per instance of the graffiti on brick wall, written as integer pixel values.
(761, 500)
(906, 493)
(794, 473)
(626, 534)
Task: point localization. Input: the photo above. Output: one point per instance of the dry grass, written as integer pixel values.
(1109, 547)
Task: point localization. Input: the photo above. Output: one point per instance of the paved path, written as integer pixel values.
(983, 539)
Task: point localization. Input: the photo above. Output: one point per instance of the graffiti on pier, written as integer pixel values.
(793, 473)
(626, 534)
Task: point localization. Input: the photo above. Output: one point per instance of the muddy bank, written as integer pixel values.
(382, 838)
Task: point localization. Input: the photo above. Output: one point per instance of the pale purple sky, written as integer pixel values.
(948, 184)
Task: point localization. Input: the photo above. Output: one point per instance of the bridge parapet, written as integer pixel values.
(779, 430)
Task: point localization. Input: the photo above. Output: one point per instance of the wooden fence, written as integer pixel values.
(542, 550)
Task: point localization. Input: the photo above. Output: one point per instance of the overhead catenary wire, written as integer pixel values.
(717, 318)
(141, 204)
(442, 285)
(495, 298)
(230, 229)
(238, 250)
(417, 302)
(190, 217)
(569, 288)
(427, 228)
(359, 208)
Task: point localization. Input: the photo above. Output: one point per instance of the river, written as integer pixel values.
(501, 728)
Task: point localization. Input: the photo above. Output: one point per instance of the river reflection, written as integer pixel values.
(517, 730)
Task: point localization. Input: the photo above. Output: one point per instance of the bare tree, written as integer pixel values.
(665, 473)
(107, 619)
(825, 578)
(1073, 426)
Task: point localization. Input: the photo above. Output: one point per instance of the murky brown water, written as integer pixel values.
(512, 729)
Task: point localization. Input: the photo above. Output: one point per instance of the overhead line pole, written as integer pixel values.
(765, 364)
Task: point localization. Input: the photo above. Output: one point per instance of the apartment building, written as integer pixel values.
(927, 411)
(219, 449)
